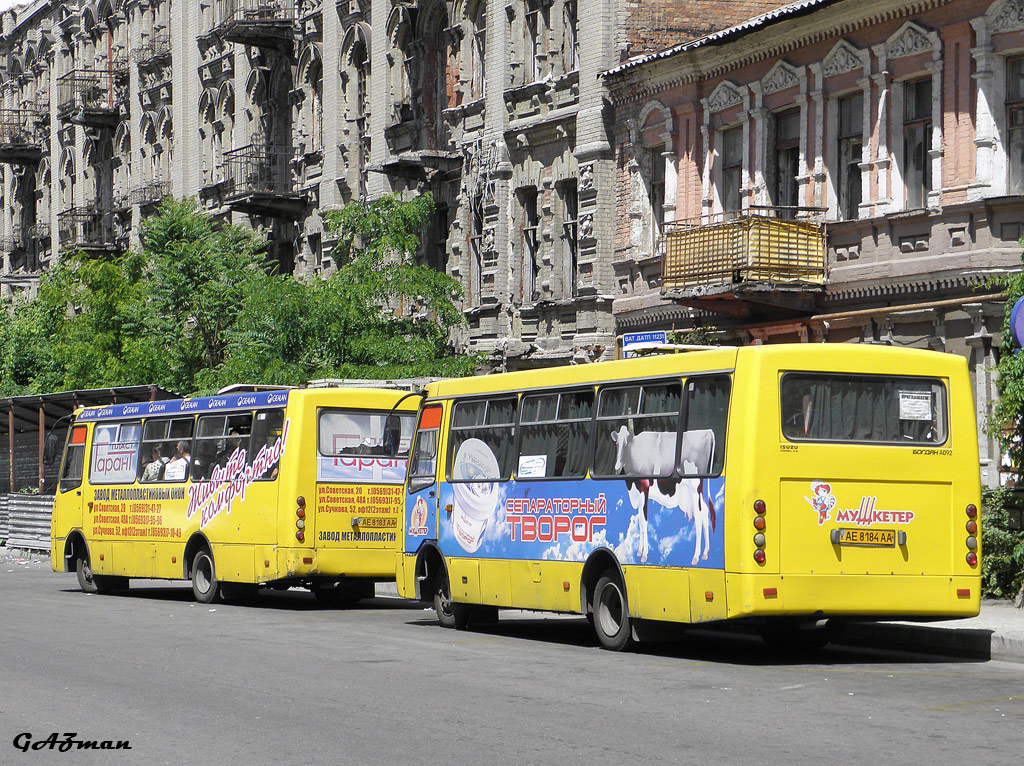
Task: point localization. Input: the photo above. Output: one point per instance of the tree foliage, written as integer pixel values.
(198, 307)
(1003, 546)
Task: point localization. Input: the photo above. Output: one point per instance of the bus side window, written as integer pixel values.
(707, 413)
(115, 453)
(74, 460)
(482, 439)
(554, 435)
(267, 430)
(637, 429)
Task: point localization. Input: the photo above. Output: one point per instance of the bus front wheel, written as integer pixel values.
(204, 578)
(94, 583)
(611, 614)
(450, 614)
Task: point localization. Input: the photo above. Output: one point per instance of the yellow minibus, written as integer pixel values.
(791, 487)
(282, 488)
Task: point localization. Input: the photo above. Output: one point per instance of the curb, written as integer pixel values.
(969, 643)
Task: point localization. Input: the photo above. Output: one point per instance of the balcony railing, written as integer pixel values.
(92, 96)
(157, 47)
(12, 240)
(151, 193)
(21, 135)
(88, 227)
(262, 23)
(757, 246)
(258, 179)
(38, 232)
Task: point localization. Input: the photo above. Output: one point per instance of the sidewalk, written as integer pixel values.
(997, 633)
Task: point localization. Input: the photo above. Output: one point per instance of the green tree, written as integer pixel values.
(1002, 546)
(198, 307)
(380, 315)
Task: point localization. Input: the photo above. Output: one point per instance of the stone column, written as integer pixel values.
(986, 182)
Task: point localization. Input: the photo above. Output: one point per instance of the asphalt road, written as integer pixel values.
(288, 682)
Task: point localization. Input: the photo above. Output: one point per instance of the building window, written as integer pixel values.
(784, 165)
(533, 48)
(476, 249)
(571, 24)
(917, 130)
(732, 169)
(361, 62)
(531, 244)
(1015, 124)
(570, 237)
(851, 141)
(656, 196)
(477, 82)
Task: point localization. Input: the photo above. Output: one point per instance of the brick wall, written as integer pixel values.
(656, 24)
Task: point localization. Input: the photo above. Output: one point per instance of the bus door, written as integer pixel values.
(69, 491)
(421, 502)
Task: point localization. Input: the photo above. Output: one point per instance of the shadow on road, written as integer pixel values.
(725, 645)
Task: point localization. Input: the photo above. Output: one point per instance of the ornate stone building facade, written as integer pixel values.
(274, 111)
(831, 171)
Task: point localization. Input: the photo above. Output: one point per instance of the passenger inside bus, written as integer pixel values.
(154, 470)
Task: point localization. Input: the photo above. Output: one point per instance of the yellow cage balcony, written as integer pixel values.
(753, 248)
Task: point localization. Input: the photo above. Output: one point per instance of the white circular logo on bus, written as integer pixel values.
(474, 503)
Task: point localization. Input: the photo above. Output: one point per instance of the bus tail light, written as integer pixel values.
(972, 543)
(759, 523)
(760, 508)
(972, 527)
(972, 559)
(300, 535)
(972, 511)
(759, 556)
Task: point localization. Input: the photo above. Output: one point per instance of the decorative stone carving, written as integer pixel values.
(843, 58)
(781, 77)
(724, 96)
(587, 226)
(908, 42)
(1010, 17)
(587, 177)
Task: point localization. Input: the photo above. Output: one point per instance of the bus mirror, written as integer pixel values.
(418, 483)
(392, 434)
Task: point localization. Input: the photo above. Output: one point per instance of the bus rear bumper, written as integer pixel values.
(868, 596)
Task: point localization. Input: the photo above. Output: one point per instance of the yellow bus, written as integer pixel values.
(283, 488)
(788, 486)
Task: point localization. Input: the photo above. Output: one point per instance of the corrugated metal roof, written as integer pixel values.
(793, 9)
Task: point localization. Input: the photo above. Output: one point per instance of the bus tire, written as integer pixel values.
(450, 614)
(204, 578)
(94, 583)
(611, 614)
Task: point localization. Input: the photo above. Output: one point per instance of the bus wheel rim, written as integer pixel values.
(609, 613)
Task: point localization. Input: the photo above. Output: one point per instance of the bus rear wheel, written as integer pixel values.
(204, 578)
(450, 614)
(611, 614)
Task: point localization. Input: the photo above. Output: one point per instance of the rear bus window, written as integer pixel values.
(869, 409)
(364, 446)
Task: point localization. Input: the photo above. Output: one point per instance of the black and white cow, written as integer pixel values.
(653, 453)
